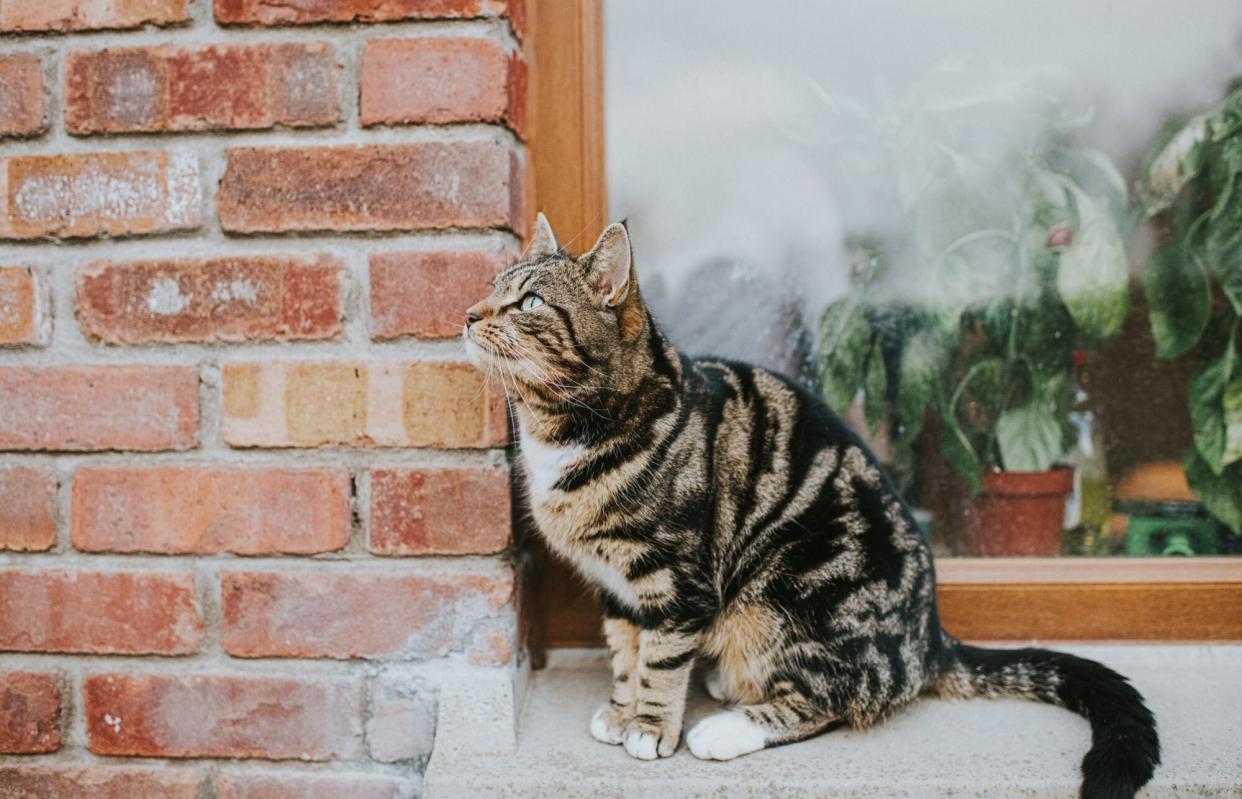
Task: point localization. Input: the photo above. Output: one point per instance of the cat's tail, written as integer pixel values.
(1125, 748)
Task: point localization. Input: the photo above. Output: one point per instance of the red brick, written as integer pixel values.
(98, 782)
(212, 299)
(204, 511)
(306, 404)
(90, 408)
(285, 786)
(27, 497)
(93, 194)
(80, 15)
(120, 613)
(358, 614)
(426, 294)
(23, 100)
(441, 79)
(215, 87)
(18, 306)
(29, 713)
(164, 715)
(265, 12)
(435, 184)
(439, 511)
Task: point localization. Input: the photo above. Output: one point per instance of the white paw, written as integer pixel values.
(713, 685)
(724, 736)
(602, 728)
(642, 745)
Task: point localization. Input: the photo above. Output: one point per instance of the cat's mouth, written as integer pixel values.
(483, 352)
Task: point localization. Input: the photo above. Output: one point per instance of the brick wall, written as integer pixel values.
(254, 505)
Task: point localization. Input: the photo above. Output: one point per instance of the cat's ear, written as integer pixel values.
(610, 265)
(543, 243)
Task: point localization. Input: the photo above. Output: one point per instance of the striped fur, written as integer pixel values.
(728, 517)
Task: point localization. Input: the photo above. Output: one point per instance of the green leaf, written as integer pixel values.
(1179, 299)
(1224, 244)
(845, 338)
(1097, 176)
(922, 363)
(1232, 405)
(1220, 493)
(1176, 164)
(1046, 334)
(1029, 438)
(956, 449)
(1216, 410)
(1092, 277)
(874, 384)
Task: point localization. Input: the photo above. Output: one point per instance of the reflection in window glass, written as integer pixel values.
(1003, 240)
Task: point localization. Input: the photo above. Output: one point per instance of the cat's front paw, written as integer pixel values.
(608, 724)
(647, 741)
(724, 736)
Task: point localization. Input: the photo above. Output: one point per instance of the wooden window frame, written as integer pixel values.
(988, 599)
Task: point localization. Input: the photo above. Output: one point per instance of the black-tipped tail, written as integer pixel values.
(1125, 748)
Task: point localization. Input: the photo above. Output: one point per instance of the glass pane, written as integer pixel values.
(1004, 240)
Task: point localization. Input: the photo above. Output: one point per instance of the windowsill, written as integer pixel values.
(981, 748)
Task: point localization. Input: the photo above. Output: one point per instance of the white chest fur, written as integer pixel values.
(545, 465)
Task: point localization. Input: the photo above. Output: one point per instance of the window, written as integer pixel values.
(958, 204)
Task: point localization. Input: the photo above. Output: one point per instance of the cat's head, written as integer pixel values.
(558, 324)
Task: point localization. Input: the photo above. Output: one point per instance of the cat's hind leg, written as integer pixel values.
(743, 729)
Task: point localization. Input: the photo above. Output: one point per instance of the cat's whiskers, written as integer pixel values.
(543, 428)
(536, 364)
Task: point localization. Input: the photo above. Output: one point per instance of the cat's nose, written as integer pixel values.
(472, 316)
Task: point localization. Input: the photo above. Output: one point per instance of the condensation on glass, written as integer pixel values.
(1003, 240)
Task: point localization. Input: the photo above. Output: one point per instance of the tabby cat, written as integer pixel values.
(727, 516)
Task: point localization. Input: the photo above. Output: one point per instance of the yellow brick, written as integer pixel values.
(444, 404)
(241, 390)
(326, 404)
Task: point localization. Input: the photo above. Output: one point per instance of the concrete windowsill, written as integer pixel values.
(979, 748)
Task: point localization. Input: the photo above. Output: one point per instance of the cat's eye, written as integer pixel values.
(530, 302)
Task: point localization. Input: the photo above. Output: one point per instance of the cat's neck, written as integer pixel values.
(643, 385)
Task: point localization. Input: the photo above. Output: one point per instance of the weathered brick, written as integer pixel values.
(164, 715)
(204, 510)
(92, 194)
(358, 614)
(167, 88)
(29, 713)
(426, 294)
(23, 100)
(402, 723)
(98, 782)
(419, 186)
(420, 404)
(78, 15)
(286, 786)
(27, 497)
(122, 613)
(442, 79)
(263, 12)
(212, 299)
(86, 408)
(439, 511)
(18, 306)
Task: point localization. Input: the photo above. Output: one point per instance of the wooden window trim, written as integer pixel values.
(993, 599)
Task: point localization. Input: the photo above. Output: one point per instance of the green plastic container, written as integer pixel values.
(1168, 528)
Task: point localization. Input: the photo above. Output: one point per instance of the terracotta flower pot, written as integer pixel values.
(1018, 513)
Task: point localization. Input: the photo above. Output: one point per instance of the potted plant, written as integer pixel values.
(1006, 256)
(1191, 184)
